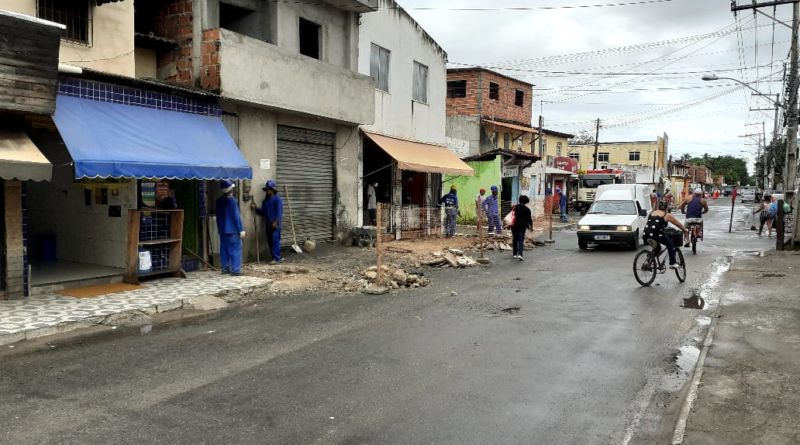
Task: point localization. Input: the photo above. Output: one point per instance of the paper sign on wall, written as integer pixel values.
(264, 164)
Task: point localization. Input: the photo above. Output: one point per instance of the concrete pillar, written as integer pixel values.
(15, 245)
(397, 199)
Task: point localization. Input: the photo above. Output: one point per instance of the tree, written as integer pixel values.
(733, 169)
(583, 137)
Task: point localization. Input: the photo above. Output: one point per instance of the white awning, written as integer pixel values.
(557, 171)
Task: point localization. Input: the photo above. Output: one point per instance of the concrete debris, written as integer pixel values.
(374, 289)
(451, 259)
(457, 252)
(394, 278)
(453, 293)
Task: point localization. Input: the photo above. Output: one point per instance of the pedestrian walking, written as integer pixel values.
(523, 221)
(372, 203)
(491, 206)
(450, 202)
(272, 211)
(230, 229)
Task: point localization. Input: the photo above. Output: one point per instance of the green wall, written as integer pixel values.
(487, 174)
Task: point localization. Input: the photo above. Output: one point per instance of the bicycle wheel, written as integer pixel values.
(680, 272)
(645, 267)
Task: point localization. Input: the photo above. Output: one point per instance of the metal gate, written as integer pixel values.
(305, 165)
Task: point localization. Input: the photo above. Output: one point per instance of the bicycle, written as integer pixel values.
(652, 261)
(695, 230)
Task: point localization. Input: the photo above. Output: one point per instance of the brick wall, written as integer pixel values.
(15, 246)
(478, 103)
(504, 107)
(174, 21)
(464, 106)
(210, 66)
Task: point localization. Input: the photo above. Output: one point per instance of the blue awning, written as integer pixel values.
(110, 140)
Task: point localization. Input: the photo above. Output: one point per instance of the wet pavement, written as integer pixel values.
(565, 347)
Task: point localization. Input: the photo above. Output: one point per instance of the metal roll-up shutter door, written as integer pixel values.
(305, 165)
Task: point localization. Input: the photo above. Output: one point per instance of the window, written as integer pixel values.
(456, 88)
(494, 91)
(309, 38)
(241, 20)
(544, 144)
(558, 148)
(379, 67)
(506, 141)
(420, 82)
(602, 156)
(575, 156)
(519, 98)
(75, 14)
(634, 156)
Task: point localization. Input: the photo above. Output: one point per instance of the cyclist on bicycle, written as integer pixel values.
(694, 209)
(656, 227)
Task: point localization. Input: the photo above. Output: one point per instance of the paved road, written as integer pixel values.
(589, 358)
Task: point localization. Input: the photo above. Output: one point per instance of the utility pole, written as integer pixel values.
(541, 136)
(790, 168)
(596, 142)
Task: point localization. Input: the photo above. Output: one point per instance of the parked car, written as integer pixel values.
(617, 216)
(748, 195)
(727, 190)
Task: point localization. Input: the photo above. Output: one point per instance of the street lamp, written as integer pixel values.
(712, 77)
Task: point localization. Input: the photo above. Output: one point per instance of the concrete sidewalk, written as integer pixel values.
(45, 315)
(749, 392)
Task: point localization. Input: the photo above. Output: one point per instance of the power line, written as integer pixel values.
(540, 8)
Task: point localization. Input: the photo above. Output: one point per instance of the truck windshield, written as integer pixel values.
(594, 183)
(613, 208)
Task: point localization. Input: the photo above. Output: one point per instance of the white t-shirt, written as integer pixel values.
(372, 202)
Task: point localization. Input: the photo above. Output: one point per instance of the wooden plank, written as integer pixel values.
(132, 254)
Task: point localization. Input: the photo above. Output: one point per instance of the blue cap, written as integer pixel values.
(494, 188)
(226, 186)
(270, 185)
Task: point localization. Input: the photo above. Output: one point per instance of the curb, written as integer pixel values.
(227, 296)
(679, 432)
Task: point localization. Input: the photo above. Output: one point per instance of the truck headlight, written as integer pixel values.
(584, 228)
(623, 228)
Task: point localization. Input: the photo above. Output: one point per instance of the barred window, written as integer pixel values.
(76, 15)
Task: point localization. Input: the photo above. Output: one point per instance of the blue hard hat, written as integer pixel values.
(494, 188)
(270, 185)
(226, 185)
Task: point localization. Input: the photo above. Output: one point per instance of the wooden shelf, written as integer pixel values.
(174, 244)
(159, 241)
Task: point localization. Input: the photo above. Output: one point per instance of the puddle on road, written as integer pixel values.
(701, 297)
(687, 358)
(703, 321)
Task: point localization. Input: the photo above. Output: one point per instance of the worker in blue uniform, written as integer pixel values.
(450, 202)
(491, 206)
(272, 211)
(231, 230)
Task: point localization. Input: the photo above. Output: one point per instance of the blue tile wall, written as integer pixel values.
(107, 92)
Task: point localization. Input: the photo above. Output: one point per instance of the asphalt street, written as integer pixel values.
(589, 356)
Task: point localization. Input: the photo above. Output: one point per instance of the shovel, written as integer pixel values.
(295, 247)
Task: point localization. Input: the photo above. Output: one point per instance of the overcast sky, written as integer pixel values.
(670, 40)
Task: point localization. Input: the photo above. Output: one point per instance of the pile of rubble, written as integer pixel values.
(394, 277)
(451, 258)
(503, 243)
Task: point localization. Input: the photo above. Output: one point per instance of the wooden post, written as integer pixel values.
(378, 244)
(779, 229)
(479, 225)
(550, 219)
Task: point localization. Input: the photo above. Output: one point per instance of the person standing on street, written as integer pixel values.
(272, 211)
(491, 206)
(479, 198)
(230, 229)
(450, 202)
(562, 205)
(372, 203)
(523, 222)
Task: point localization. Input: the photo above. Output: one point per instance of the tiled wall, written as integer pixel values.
(107, 92)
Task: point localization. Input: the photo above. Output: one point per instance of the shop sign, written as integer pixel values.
(510, 171)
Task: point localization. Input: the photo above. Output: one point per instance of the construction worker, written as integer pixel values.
(272, 211)
(450, 202)
(231, 230)
(491, 206)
